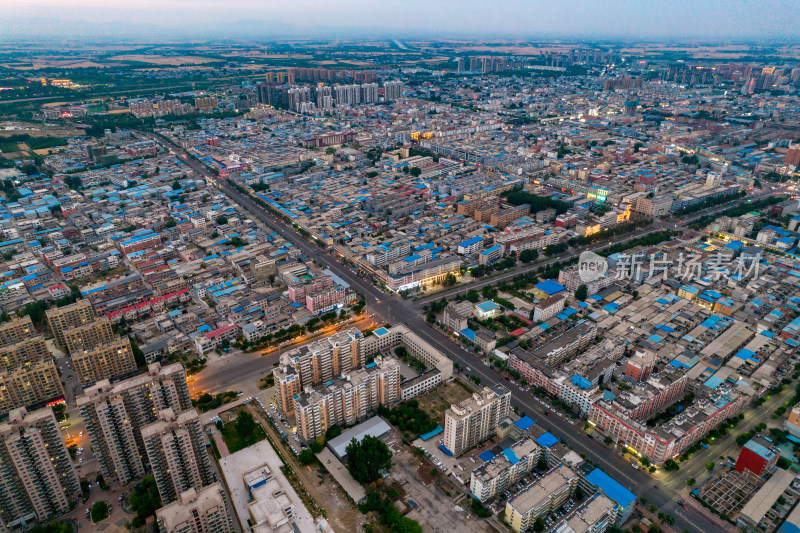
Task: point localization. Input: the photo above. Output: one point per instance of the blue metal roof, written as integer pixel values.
(547, 440)
(611, 488)
(524, 423)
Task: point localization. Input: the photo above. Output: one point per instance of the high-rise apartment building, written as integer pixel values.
(369, 93)
(347, 94)
(324, 98)
(348, 400)
(28, 375)
(88, 335)
(69, 316)
(200, 510)
(319, 361)
(392, 90)
(176, 449)
(475, 419)
(105, 362)
(16, 330)
(37, 478)
(115, 414)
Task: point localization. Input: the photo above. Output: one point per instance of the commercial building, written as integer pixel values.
(175, 446)
(196, 511)
(70, 316)
(546, 494)
(475, 419)
(115, 414)
(504, 470)
(759, 455)
(37, 478)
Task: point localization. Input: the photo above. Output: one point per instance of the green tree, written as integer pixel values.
(333, 432)
(528, 256)
(538, 525)
(144, 500)
(415, 171)
(307, 456)
(56, 526)
(176, 186)
(170, 223)
(222, 220)
(581, 293)
(245, 424)
(368, 460)
(690, 482)
(99, 512)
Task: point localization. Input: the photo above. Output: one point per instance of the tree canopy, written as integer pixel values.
(368, 460)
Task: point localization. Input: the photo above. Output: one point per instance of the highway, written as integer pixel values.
(392, 308)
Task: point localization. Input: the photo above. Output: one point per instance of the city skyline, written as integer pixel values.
(576, 19)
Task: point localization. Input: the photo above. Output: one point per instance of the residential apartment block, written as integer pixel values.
(475, 419)
(37, 478)
(504, 470)
(114, 415)
(176, 450)
(347, 400)
(548, 493)
(201, 510)
(70, 316)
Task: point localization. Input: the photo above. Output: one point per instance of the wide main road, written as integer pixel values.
(392, 308)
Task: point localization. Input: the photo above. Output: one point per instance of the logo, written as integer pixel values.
(591, 266)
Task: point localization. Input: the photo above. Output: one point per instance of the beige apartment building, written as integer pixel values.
(196, 511)
(475, 419)
(88, 335)
(105, 362)
(70, 316)
(176, 449)
(37, 478)
(114, 415)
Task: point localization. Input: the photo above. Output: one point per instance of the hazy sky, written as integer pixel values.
(638, 19)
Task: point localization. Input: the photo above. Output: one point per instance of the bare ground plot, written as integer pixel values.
(437, 401)
(340, 512)
(434, 501)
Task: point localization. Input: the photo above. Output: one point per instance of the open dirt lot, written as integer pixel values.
(436, 402)
(438, 504)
